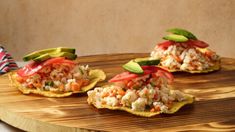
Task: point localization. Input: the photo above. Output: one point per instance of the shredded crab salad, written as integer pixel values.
(55, 75)
(146, 92)
(184, 56)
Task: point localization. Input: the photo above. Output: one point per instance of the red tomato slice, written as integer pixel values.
(29, 69)
(165, 45)
(57, 60)
(198, 43)
(160, 72)
(53, 60)
(123, 76)
(167, 75)
(147, 70)
(69, 62)
(152, 69)
(34, 67)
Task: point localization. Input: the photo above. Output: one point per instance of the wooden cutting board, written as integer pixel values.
(214, 109)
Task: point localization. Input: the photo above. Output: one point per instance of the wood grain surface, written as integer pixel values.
(214, 109)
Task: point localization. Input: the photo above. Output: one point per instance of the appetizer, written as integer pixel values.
(54, 73)
(142, 90)
(182, 51)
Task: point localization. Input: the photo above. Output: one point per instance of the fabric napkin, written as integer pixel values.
(7, 63)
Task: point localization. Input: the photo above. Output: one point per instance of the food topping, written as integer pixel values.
(139, 92)
(45, 54)
(178, 53)
(53, 70)
(179, 31)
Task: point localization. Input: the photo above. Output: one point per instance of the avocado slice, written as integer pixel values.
(42, 57)
(52, 55)
(179, 31)
(64, 49)
(41, 52)
(146, 61)
(133, 67)
(36, 54)
(64, 54)
(176, 38)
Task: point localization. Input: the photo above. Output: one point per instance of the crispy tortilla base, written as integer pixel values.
(216, 67)
(176, 106)
(95, 76)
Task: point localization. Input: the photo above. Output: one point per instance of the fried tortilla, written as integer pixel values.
(216, 67)
(94, 75)
(176, 106)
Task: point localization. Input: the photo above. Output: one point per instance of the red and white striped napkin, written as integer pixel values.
(7, 63)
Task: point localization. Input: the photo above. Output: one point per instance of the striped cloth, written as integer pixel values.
(6, 61)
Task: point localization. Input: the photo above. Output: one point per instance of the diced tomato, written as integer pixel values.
(152, 110)
(112, 94)
(34, 67)
(209, 54)
(103, 102)
(85, 82)
(130, 84)
(169, 104)
(145, 91)
(177, 58)
(105, 94)
(37, 85)
(197, 43)
(123, 76)
(155, 96)
(61, 87)
(20, 79)
(157, 108)
(76, 86)
(165, 45)
(121, 92)
(30, 85)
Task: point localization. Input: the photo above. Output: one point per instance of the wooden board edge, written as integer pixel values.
(224, 125)
(28, 124)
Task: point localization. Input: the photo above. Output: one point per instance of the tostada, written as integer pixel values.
(55, 73)
(142, 90)
(183, 51)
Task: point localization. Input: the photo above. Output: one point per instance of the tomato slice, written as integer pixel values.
(53, 60)
(34, 67)
(165, 74)
(57, 60)
(147, 70)
(29, 69)
(159, 72)
(164, 45)
(123, 76)
(152, 69)
(198, 43)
